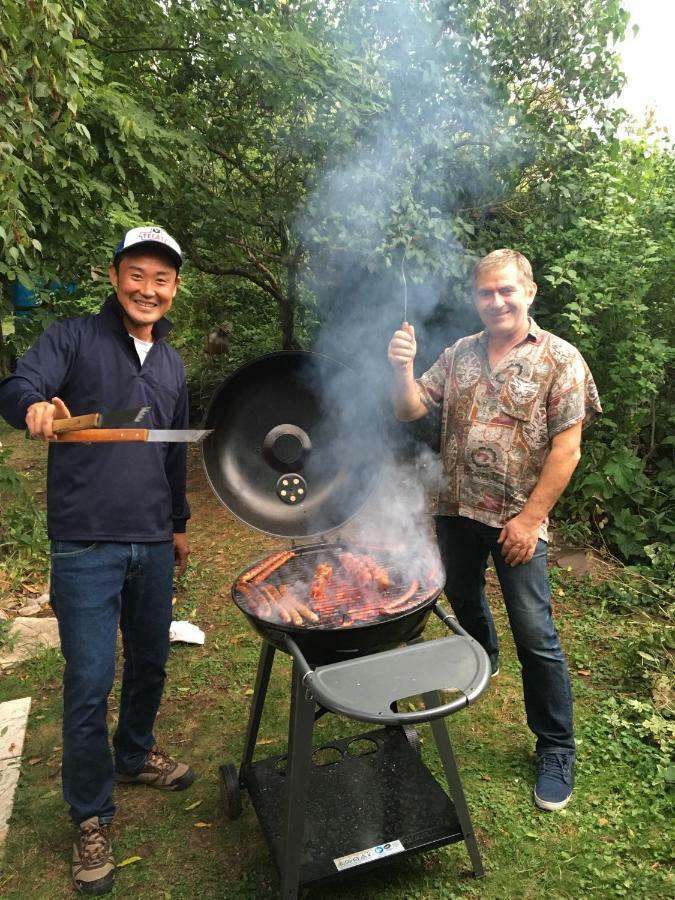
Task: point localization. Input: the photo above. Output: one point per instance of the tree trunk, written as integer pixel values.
(287, 322)
(287, 309)
(4, 355)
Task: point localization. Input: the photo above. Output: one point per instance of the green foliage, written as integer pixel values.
(45, 667)
(23, 541)
(75, 147)
(7, 640)
(600, 233)
(261, 92)
(205, 302)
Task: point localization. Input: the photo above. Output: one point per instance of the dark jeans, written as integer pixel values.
(95, 587)
(465, 546)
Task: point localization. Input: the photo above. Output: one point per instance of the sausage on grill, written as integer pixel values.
(277, 605)
(399, 603)
(267, 566)
(292, 602)
(274, 564)
(258, 603)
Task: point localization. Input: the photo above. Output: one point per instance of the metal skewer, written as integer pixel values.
(405, 285)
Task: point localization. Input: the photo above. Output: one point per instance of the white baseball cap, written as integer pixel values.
(147, 236)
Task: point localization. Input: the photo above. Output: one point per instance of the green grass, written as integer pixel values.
(613, 840)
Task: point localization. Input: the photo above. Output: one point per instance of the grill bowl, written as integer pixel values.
(325, 644)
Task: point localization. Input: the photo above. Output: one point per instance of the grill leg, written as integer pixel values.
(257, 703)
(301, 727)
(442, 738)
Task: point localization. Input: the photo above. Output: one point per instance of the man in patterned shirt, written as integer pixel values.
(514, 399)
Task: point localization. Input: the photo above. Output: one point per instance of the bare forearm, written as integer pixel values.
(555, 476)
(405, 398)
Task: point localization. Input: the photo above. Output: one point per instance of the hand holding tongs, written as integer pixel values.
(100, 420)
(92, 428)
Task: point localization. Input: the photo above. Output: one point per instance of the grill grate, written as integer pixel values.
(323, 588)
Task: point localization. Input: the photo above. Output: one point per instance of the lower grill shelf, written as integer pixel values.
(357, 805)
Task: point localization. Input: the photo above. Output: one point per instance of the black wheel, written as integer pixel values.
(230, 791)
(412, 737)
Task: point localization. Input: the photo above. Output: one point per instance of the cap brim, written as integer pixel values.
(151, 245)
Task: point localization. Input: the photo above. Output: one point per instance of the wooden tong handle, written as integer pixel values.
(76, 423)
(103, 435)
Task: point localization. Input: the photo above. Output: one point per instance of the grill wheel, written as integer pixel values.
(230, 790)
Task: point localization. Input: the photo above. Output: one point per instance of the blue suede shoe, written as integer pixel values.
(555, 780)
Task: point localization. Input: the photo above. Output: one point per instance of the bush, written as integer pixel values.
(601, 238)
(23, 538)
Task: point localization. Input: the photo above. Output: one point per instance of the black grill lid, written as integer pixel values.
(297, 444)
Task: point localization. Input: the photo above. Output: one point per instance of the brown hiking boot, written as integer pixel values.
(93, 865)
(160, 771)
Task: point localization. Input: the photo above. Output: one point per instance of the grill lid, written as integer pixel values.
(296, 445)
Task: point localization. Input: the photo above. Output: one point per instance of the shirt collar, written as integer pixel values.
(534, 334)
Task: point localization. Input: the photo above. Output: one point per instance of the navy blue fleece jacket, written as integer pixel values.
(107, 492)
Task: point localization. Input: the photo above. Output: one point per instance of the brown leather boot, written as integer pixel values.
(160, 771)
(93, 868)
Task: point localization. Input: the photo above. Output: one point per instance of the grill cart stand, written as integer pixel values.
(378, 799)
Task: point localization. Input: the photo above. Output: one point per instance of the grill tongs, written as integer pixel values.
(94, 428)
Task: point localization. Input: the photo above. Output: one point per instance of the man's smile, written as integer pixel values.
(145, 304)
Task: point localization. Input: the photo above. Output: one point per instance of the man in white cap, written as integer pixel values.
(117, 518)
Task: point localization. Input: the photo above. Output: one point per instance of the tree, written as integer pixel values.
(320, 138)
(71, 144)
(261, 94)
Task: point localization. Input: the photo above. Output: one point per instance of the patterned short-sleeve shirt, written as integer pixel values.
(498, 423)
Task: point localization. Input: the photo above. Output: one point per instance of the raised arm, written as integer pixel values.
(405, 395)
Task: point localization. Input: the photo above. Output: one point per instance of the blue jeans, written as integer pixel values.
(94, 588)
(465, 546)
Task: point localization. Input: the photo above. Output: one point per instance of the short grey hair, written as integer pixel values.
(503, 257)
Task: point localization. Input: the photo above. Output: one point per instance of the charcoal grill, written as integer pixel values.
(376, 800)
(349, 625)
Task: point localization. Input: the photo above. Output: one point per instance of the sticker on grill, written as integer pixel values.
(365, 856)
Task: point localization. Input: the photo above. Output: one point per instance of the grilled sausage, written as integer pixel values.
(293, 602)
(277, 605)
(274, 563)
(256, 570)
(399, 603)
(258, 603)
(364, 570)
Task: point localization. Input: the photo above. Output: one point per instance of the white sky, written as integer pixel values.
(648, 61)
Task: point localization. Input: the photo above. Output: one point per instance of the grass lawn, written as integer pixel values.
(612, 841)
